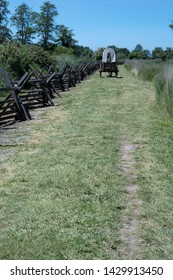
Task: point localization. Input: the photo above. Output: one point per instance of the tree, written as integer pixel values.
(65, 36)
(158, 53)
(169, 53)
(84, 54)
(23, 21)
(5, 32)
(146, 54)
(171, 25)
(45, 23)
(135, 55)
(138, 48)
(123, 53)
(98, 53)
(138, 52)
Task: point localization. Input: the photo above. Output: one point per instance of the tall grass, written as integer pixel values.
(144, 69)
(164, 88)
(159, 72)
(149, 71)
(133, 66)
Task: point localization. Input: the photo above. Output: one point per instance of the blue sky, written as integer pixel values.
(123, 23)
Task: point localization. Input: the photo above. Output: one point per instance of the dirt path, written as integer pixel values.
(129, 233)
(134, 122)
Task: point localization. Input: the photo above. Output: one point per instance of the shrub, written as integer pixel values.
(62, 50)
(63, 59)
(16, 57)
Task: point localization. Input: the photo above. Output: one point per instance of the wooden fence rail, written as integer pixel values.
(37, 88)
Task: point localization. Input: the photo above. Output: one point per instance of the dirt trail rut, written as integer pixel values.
(129, 233)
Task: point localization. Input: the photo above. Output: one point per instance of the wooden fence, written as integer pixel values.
(37, 88)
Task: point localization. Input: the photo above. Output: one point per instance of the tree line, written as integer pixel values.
(31, 25)
(139, 53)
(41, 27)
(36, 39)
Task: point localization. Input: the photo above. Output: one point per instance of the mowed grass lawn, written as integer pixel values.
(62, 193)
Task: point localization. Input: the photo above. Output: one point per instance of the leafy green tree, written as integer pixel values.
(65, 36)
(171, 25)
(45, 23)
(98, 53)
(169, 53)
(146, 54)
(23, 21)
(135, 55)
(78, 50)
(138, 48)
(158, 53)
(84, 54)
(139, 53)
(122, 53)
(58, 50)
(5, 32)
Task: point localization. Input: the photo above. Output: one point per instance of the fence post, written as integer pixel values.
(23, 113)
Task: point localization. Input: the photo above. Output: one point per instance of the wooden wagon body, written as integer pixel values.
(109, 66)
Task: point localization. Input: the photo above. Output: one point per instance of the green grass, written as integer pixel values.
(59, 192)
(62, 194)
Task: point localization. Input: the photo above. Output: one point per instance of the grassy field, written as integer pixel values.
(93, 179)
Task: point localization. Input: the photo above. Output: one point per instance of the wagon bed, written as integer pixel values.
(110, 67)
